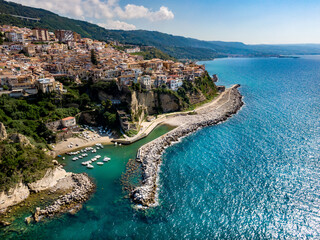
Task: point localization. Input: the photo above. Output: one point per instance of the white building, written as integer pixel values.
(133, 50)
(145, 82)
(68, 122)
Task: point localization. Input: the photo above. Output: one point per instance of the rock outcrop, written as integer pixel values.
(19, 138)
(82, 187)
(49, 180)
(78, 187)
(154, 101)
(228, 103)
(3, 132)
(14, 196)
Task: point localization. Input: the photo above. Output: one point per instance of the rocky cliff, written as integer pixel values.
(55, 179)
(3, 132)
(14, 196)
(154, 102)
(49, 180)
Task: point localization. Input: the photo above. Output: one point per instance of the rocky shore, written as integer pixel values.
(81, 188)
(227, 104)
(68, 191)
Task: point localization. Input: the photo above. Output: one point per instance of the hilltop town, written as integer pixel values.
(37, 61)
(32, 60)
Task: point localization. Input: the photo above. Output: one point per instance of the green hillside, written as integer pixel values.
(176, 46)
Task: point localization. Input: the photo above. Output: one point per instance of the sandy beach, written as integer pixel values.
(77, 143)
(174, 119)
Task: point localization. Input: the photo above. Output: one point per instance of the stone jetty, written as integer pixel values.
(150, 154)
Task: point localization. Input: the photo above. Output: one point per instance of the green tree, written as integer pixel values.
(108, 104)
(84, 100)
(110, 118)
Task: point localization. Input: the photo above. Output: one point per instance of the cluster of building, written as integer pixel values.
(32, 59)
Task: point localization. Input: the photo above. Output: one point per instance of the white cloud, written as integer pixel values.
(132, 11)
(108, 11)
(110, 24)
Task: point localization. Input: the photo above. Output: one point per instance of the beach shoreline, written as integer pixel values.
(150, 154)
(170, 119)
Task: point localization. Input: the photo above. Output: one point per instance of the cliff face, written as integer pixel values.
(154, 102)
(21, 191)
(125, 97)
(14, 196)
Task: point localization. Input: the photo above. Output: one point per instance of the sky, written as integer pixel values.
(248, 21)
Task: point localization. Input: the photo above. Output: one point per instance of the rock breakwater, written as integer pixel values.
(227, 104)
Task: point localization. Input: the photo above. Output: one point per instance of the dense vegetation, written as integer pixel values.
(21, 163)
(149, 53)
(28, 117)
(202, 85)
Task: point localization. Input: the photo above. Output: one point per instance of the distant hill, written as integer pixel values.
(175, 46)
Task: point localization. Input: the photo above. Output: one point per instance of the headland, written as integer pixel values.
(150, 155)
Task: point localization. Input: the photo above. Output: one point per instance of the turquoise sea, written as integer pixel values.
(255, 176)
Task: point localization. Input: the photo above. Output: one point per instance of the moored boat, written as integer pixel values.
(90, 166)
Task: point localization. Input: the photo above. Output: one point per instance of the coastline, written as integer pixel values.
(68, 191)
(150, 154)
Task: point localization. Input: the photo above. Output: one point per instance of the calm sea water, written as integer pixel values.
(255, 176)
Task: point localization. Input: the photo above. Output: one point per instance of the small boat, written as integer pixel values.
(84, 163)
(75, 158)
(63, 158)
(94, 151)
(99, 163)
(90, 166)
(119, 144)
(115, 143)
(106, 159)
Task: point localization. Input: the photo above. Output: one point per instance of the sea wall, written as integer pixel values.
(228, 103)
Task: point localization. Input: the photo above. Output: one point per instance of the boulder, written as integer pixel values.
(29, 219)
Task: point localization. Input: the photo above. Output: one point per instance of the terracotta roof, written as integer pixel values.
(68, 118)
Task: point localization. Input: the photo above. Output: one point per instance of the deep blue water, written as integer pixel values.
(255, 176)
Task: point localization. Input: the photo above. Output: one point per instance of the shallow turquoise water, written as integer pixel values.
(255, 176)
